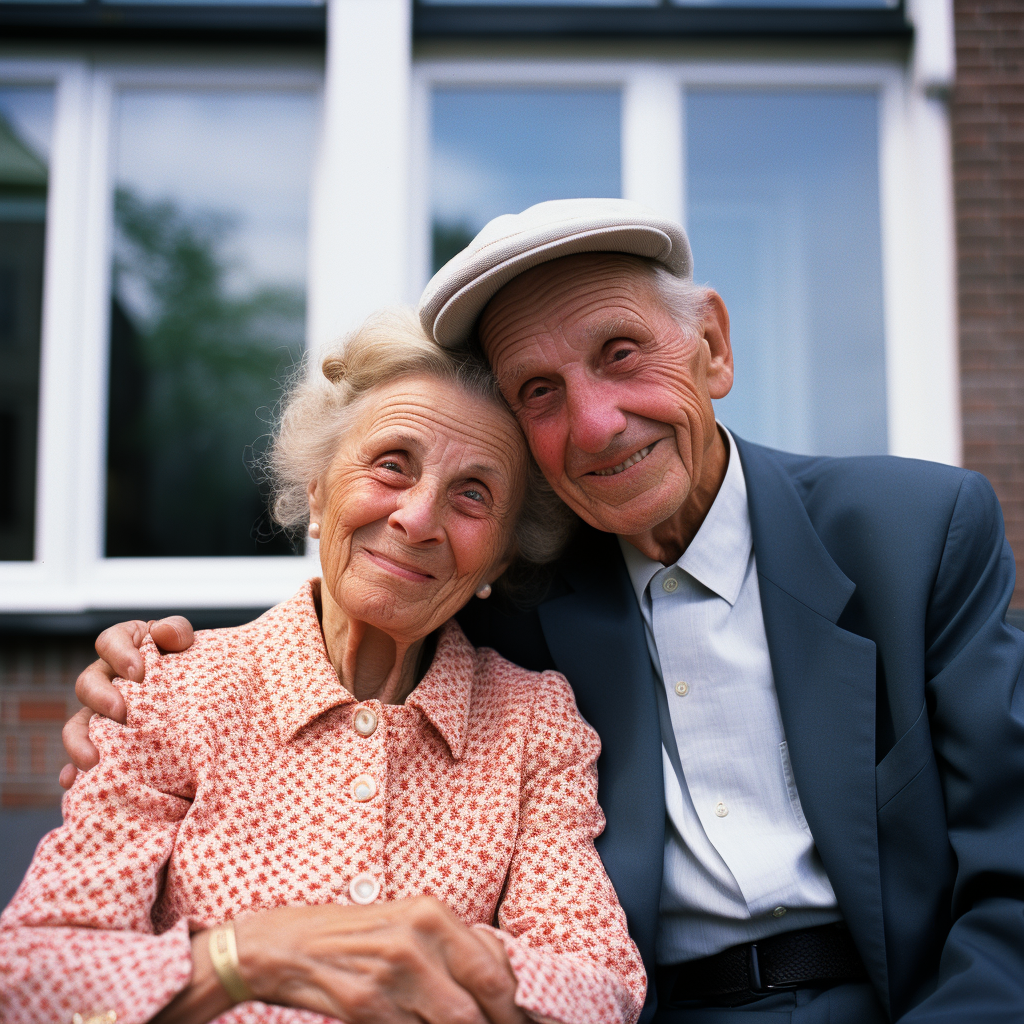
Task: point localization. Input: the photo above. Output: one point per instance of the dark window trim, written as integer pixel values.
(235, 24)
(455, 21)
(306, 25)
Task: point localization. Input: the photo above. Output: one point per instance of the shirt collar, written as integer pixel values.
(718, 555)
(302, 684)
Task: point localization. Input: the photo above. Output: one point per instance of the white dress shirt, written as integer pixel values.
(740, 861)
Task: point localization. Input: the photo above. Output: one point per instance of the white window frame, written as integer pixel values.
(69, 572)
(915, 190)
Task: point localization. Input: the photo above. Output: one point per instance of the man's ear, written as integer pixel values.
(715, 327)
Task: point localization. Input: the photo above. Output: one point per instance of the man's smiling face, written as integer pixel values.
(614, 397)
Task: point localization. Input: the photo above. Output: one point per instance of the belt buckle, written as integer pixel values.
(757, 985)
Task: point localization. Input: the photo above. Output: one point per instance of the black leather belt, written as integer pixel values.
(810, 958)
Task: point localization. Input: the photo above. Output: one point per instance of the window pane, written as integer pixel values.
(501, 150)
(26, 124)
(657, 3)
(784, 221)
(223, 3)
(542, 3)
(848, 4)
(207, 312)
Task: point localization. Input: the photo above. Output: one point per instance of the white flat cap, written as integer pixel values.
(512, 243)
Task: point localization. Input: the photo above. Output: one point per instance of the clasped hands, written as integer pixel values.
(398, 962)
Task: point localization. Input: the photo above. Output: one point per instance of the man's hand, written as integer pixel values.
(118, 648)
(388, 963)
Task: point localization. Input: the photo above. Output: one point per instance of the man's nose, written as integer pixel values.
(418, 515)
(595, 418)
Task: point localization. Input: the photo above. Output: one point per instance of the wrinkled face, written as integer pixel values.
(418, 507)
(614, 398)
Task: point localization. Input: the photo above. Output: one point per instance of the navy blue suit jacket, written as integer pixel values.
(884, 585)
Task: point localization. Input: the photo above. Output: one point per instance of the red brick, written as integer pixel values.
(52, 710)
(987, 112)
(26, 796)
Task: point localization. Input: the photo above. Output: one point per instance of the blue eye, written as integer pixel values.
(474, 495)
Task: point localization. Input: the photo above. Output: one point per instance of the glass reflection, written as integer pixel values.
(825, 4)
(26, 126)
(541, 3)
(855, 4)
(207, 312)
(501, 150)
(783, 215)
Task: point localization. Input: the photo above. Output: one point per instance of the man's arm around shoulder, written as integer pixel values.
(119, 656)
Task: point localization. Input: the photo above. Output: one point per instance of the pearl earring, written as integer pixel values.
(483, 591)
(314, 531)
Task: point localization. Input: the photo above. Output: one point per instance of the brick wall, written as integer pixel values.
(37, 695)
(988, 163)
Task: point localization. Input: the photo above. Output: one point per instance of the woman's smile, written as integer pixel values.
(397, 568)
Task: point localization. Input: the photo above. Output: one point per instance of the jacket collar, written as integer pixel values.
(786, 546)
(444, 694)
(299, 679)
(301, 682)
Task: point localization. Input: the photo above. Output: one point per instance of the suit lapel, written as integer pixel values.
(825, 679)
(596, 636)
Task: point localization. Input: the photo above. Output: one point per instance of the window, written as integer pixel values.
(173, 301)
(498, 151)
(799, 187)
(26, 125)
(783, 216)
(823, 217)
(207, 317)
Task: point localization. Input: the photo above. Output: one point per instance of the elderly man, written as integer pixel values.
(813, 733)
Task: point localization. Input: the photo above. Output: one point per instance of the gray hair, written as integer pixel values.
(685, 302)
(319, 408)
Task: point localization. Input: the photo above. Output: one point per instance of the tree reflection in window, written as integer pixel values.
(195, 371)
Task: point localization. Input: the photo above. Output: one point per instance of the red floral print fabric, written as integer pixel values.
(241, 782)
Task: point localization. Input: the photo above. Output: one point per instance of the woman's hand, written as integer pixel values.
(390, 963)
(406, 961)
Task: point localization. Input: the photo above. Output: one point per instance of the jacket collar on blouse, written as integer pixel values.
(301, 682)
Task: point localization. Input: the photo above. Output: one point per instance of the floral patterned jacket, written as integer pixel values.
(248, 777)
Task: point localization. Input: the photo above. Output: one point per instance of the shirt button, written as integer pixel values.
(363, 788)
(779, 912)
(682, 688)
(364, 722)
(670, 584)
(364, 889)
(721, 810)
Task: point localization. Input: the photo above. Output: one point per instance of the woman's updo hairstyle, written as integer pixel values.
(320, 407)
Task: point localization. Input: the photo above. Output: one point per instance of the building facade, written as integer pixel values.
(988, 131)
(192, 196)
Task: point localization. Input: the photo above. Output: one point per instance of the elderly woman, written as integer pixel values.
(343, 808)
